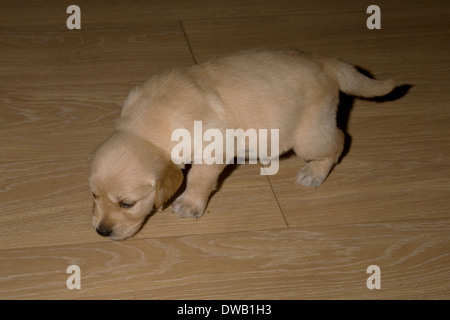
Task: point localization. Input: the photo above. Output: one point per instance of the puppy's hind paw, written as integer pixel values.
(187, 209)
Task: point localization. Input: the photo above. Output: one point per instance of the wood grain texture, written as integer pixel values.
(262, 237)
(316, 262)
(71, 87)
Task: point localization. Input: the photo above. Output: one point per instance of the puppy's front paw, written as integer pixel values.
(187, 207)
(311, 175)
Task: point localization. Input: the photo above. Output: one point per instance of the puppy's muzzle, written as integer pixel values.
(104, 231)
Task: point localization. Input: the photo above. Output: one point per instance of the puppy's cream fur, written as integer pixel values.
(289, 90)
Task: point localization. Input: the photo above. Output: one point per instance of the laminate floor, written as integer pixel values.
(262, 237)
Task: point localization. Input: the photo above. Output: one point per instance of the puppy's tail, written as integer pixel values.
(353, 82)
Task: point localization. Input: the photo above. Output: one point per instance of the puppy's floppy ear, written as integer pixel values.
(167, 183)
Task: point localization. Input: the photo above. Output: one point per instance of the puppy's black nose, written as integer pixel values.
(104, 231)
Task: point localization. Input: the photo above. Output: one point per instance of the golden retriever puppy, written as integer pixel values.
(290, 91)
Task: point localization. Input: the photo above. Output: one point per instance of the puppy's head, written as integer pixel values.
(128, 178)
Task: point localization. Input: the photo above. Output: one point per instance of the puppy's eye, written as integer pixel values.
(94, 195)
(126, 204)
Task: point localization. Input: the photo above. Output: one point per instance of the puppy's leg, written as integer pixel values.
(201, 181)
(320, 142)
